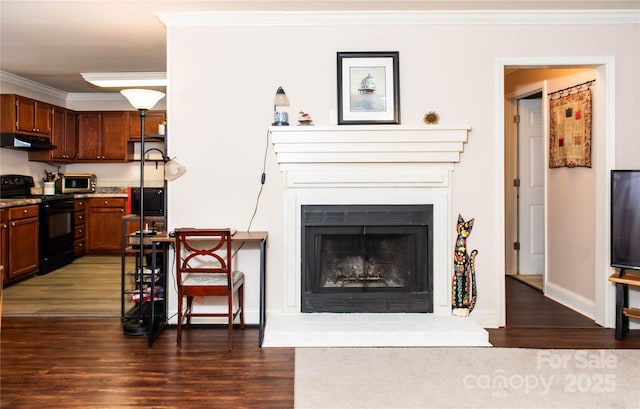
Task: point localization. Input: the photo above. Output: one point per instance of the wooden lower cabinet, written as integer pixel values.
(19, 242)
(4, 244)
(104, 225)
(80, 227)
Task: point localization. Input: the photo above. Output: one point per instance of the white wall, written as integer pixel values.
(223, 77)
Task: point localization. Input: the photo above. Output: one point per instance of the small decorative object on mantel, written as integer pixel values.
(431, 118)
(304, 118)
(280, 118)
(463, 289)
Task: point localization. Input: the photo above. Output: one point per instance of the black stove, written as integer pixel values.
(19, 187)
(56, 220)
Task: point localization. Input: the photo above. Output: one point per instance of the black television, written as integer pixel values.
(625, 219)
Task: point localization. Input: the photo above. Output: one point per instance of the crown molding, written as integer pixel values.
(93, 96)
(437, 17)
(32, 85)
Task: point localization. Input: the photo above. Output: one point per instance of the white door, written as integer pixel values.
(531, 191)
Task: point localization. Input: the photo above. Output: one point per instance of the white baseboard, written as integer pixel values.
(570, 299)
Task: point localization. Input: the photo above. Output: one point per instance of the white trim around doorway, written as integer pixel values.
(605, 75)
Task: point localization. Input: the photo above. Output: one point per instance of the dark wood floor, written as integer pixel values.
(535, 321)
(88, 362)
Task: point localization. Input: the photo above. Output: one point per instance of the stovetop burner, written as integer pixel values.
(15, 186)
(19, 187)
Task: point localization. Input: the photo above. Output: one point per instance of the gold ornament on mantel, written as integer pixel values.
(431, 118)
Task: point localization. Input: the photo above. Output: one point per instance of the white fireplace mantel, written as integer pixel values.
(368, 144)
(367, 164)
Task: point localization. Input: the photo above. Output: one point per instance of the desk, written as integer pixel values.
(259, 237)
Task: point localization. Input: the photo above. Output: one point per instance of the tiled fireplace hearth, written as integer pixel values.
(367, 165)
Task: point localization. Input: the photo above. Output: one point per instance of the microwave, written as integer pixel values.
(76, 183)
(154, 201)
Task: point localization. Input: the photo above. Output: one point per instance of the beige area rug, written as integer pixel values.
(466, 378)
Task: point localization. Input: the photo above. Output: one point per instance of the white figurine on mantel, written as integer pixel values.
(304, 118)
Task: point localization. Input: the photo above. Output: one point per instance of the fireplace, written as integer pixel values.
(367, 258)
(365, 165)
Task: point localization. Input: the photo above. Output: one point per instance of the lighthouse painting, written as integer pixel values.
(366, 94)
(368, 88)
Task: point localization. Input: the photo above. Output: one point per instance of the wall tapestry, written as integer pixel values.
(570, 133)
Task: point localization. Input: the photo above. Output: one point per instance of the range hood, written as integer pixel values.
(25, 142)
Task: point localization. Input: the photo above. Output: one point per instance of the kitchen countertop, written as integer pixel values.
(90, 195)
(100, 192)
(17, 202)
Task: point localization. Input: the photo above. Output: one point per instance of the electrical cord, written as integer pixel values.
(263, 178)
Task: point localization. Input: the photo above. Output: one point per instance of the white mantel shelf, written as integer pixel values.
(368, 144)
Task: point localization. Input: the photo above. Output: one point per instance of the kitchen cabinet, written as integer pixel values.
(63, 136)
(19, 242)
(103, 137)
(4, 244)
(104, 221)
(152, 121)
(80, 227)
(25, 115)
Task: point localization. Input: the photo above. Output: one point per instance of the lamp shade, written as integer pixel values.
(173, 170)
(280, 100)
(142, 98)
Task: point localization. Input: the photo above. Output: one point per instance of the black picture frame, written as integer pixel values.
(368, 87)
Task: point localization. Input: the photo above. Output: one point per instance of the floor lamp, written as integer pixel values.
(142, 100)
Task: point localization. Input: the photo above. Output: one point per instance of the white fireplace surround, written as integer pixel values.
(368, 164)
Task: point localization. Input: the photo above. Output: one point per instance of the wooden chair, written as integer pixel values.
(203, 269)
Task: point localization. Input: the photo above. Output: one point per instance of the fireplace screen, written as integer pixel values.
(367, 258)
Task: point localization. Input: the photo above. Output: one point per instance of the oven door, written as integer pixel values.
(56, 234)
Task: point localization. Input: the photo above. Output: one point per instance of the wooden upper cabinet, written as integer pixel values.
(26, 115)
(43, 117)
(70, 134)
(114, 127)
(88, 136)
(152, 121)
(102, 136)
(63, 136)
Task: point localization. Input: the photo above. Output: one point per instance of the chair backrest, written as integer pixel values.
(203, 251)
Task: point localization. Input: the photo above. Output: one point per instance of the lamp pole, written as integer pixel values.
(140, 328)
(142, 100)
(143, 114)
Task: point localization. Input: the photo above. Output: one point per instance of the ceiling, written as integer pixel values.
(52, 41)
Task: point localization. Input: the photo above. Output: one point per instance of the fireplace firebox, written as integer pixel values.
(367, 258)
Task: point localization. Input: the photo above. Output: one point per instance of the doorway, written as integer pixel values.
(525, 223)
(529, 187)
(532, 77)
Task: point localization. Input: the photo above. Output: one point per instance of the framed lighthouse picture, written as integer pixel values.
(368, 88)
